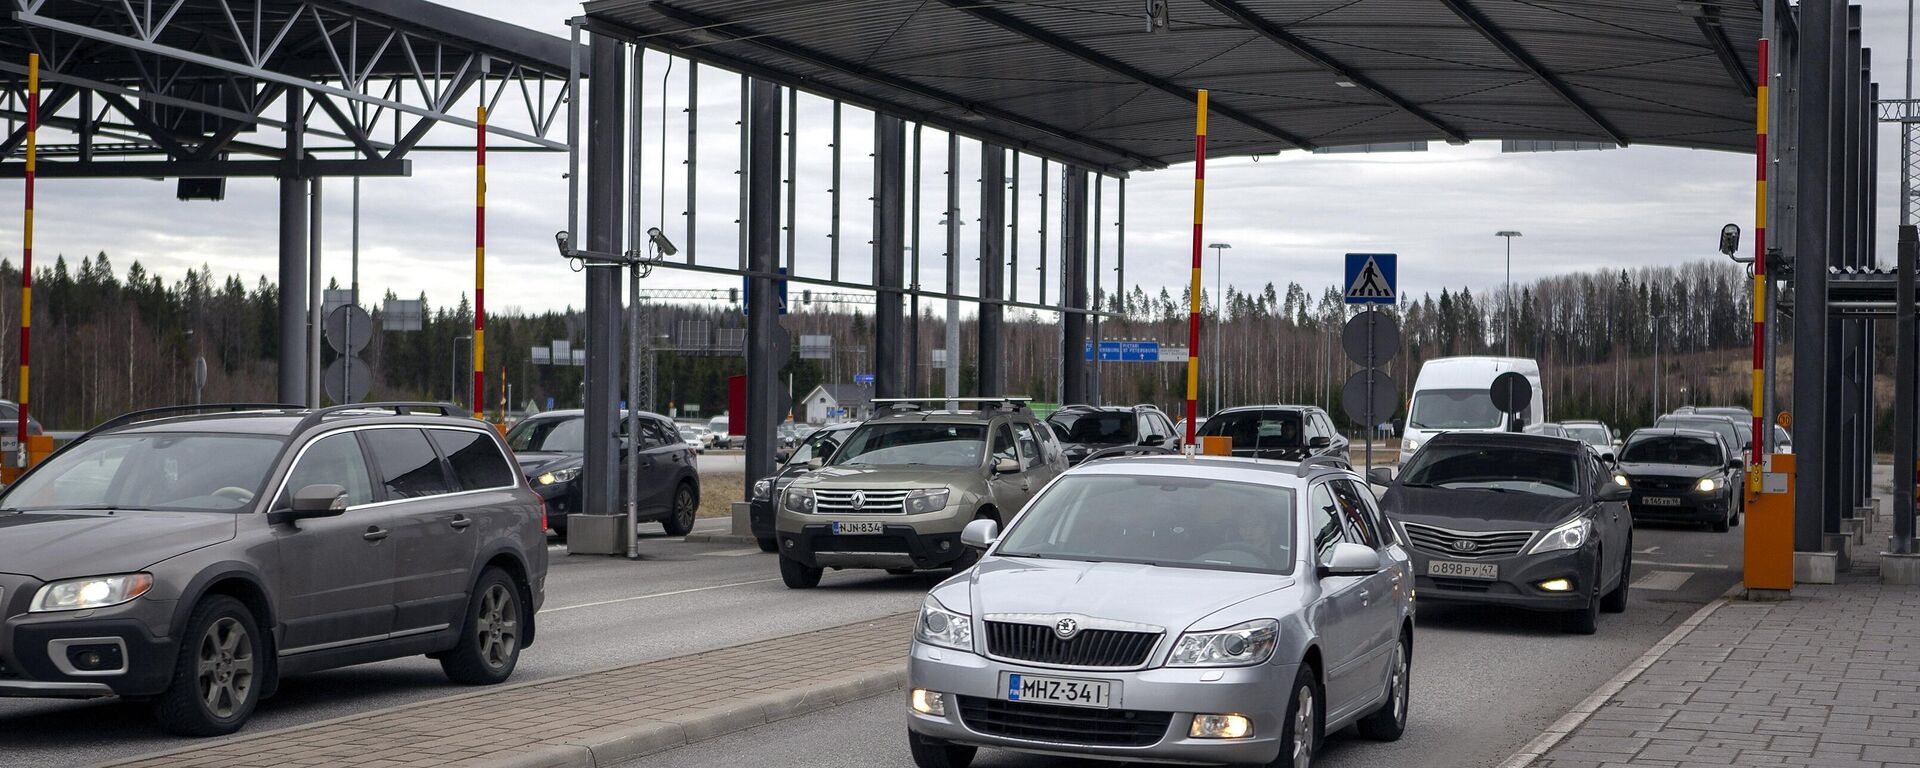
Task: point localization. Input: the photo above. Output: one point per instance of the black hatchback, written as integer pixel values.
(1683, 475)
(1285, 432)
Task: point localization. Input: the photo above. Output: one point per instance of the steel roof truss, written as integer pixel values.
(1506, 45)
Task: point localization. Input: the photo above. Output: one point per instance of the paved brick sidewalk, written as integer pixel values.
(594, 719)
(1830, 678)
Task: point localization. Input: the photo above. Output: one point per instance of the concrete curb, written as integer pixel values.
(721, 538)
(1571, 721)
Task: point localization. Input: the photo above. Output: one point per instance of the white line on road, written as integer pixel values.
(657, 594)
(1653, 550)
(1663, 581)
(1691, 566)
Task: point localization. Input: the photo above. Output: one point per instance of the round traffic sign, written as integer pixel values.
(1511, 392)
(349, 328)
(1369, 401)
(1371, 338)
(347, 384)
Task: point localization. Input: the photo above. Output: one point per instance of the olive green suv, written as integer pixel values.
(903, 485)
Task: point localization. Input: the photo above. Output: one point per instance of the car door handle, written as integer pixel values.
(374, 533)
(1365, 598)
(460, 522)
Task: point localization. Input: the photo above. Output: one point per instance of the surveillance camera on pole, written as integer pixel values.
(660, 242)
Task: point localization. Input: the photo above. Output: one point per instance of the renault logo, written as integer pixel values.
(1464, 545)
(1066, 628)
(859, 500)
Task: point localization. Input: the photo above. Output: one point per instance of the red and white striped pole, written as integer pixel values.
(480, 268)
(1193, 290)
(1759, 274)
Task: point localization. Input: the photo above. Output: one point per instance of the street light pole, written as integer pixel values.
(1219, 316)
(1508, 320)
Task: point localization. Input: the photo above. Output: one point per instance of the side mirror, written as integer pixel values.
(1320, 442)
(1350, 559)
(816, 463)
(782, 455)
(1737, 463)
(1380, 476)
(1613, 491)
(1607, 457)
(1006, 466)
(1154, 440)
(980, 534)
(313, 501)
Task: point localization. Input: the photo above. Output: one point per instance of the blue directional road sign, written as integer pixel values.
(779, 287)
(1372, 278)
(1126, 351)
(863, 378)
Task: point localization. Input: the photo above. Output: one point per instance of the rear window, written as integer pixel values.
(1097, 427)
(1253, 430)
(407, 463)
(477, 464)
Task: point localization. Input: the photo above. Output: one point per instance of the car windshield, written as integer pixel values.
(940, 445)
(560, 435)
(718, 425)
(171, 471)
(1174, 522)
(1453, 409)
(1495, 468)
(1724, 428)
(1590, 434)
(1096, 427)
(1672, 449)
(1256, 430)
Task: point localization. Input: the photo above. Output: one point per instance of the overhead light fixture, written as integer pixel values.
(1343, 82)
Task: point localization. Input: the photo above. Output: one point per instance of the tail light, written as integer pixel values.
(543, 513)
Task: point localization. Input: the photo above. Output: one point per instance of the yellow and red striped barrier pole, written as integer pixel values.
(480, 267)
(1193, 290)
(1759, 276)
(26, 250)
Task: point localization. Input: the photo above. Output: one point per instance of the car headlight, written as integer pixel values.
(1239, 646)
(560, 476)
(798, 500)
(1571, 534)
(762, 488)
(944, 628)
(1707, 485)
(1621, 479)
(926, 500)
(1409, 445)
(91, 592)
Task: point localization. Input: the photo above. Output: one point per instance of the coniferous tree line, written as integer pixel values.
(108, 341)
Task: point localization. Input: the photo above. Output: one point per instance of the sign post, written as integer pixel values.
(1370, 339)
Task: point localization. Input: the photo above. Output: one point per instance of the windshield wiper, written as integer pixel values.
(1418, 485)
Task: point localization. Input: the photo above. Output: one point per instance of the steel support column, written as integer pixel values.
(990, 378)
(1814, 169)
(1843, 379)
(764, 334)
(1905, 375)
(606, 167)
(889, 251)
(316, 303)
(916, 381)
(293, 258)
(1073, 285)
(952, 378)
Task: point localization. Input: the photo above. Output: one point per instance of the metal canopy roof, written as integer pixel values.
(1086, 81)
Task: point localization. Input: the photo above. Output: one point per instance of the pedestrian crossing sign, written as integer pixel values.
(1371, 278)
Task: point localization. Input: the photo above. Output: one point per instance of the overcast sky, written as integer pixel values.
(1287, 218)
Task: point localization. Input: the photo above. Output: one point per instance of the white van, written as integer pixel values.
(1452, 395)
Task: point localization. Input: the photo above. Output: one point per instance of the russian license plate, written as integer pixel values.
(1660, 501)
(1463, 570)
(1096, 694)
(844, 529)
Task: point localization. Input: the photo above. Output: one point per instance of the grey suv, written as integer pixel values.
(899, 490)
(193, 559)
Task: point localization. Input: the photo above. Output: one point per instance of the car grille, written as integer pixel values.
(1064, 725)
(1461, 585)
(1668, 484)
(1466, 545)
(871, 502)
(832, 543)
(1088, 648)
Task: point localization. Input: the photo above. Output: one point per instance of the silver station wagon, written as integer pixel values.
(1180, 609)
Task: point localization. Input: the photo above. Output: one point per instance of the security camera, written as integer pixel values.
(562, 238)
(660, 242)
(1730, 239)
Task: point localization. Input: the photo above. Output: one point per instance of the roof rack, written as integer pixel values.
(399, 408)
(150, 414)
(1307, 464)
(1128, 450)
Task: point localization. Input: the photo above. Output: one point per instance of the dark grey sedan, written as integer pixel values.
(1518, 520)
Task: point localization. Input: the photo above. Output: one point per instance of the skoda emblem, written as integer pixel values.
(1066, 628)
(859, 500)
(1464, 545)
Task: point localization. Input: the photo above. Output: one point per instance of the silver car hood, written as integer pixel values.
(1170, 598)
(889, 476)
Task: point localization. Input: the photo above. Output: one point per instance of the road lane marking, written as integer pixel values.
(1663, 581)
(658, 594)
(1689, 566)
(1653, 550)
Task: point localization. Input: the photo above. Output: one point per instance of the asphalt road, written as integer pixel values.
(1485, 680)
(600, 612)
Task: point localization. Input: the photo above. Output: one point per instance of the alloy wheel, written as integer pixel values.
(1303, 717)
(1398, 683)
(498, 626)
(226, 667)
(683, 507)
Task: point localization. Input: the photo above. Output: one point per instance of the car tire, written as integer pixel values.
(1615, 601)
(1722, 525)
(490, 637)
(1390, 721)
(219, 673)
(1585, 621)
(768, 543)
(1740, 508)
(798, 575)
(1304, 711)
(686, 507)
(934, 753)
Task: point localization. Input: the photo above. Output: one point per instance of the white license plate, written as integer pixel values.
(1660, 501)
(1096, 694)
(1463, 570)
(859, 528)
